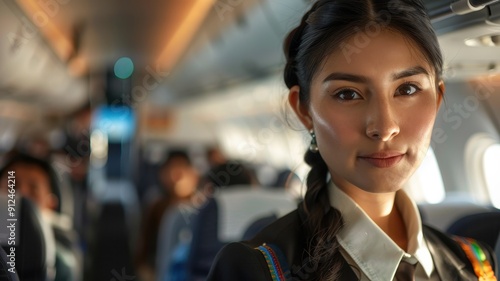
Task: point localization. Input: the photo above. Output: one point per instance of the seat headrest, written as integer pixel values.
(21, 229)
(239, 207)
(7, 269)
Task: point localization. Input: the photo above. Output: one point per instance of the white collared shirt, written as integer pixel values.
(372, 254)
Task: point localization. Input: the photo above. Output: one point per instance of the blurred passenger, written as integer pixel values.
(178, 179)
(174, 240)
(238, 202)
(37, 181)
(229, 174)
(38, 147)
(215, 157)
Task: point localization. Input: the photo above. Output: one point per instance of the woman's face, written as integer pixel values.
(372, 110)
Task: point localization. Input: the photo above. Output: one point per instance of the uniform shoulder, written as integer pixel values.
(459, 245)
(239, 261)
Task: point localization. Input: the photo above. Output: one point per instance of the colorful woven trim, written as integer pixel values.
(275, 261)
(477, 257)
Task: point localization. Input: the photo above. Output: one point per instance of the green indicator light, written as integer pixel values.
(124, 67)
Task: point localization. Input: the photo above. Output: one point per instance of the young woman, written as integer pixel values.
(365, 80)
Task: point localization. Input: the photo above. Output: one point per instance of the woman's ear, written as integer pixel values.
(300, 109)
(441, 89)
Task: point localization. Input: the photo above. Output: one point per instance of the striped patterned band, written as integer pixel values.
(477, 257)
(277, 265)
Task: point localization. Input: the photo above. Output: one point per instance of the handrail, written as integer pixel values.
(461, 7)
(467, 6)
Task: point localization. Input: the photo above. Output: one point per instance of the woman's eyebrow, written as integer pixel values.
(346, 77)
(416, 70)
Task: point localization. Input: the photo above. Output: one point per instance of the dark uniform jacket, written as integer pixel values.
(241, 261)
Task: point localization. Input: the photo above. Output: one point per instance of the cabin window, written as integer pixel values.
(491, 172)
(481, 165)
(426, 184)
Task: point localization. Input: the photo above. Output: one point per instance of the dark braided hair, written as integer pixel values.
(322, 30)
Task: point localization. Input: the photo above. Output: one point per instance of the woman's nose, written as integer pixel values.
(382, 121)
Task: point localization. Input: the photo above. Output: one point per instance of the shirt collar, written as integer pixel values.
(370, 248)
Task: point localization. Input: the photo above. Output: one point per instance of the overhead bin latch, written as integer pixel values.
(467, 6)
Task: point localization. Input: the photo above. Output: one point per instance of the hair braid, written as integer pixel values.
(323, 222)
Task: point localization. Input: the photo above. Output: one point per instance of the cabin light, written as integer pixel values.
(124, 67)
(186, 30)
(492, 40)
(42, 15)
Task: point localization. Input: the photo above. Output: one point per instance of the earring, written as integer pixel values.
(313, 147)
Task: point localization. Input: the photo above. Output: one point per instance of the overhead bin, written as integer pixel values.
(30, 72)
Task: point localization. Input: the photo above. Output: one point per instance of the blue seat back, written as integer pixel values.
(31, 239)
(7, 271)
(258, 225)
(484, 227)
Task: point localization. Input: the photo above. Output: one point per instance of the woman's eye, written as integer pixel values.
(407, 90)
(347, 95)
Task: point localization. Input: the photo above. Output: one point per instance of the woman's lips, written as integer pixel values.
(383, 160)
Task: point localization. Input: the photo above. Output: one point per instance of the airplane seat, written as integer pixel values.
(497, 253)
(123, 192)
(256, 226)
(484, 227)
(204, 243)
(110, 252)
(6, 273)
(442, 215)
(69, 256)
(224, 219)
(35, 252)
